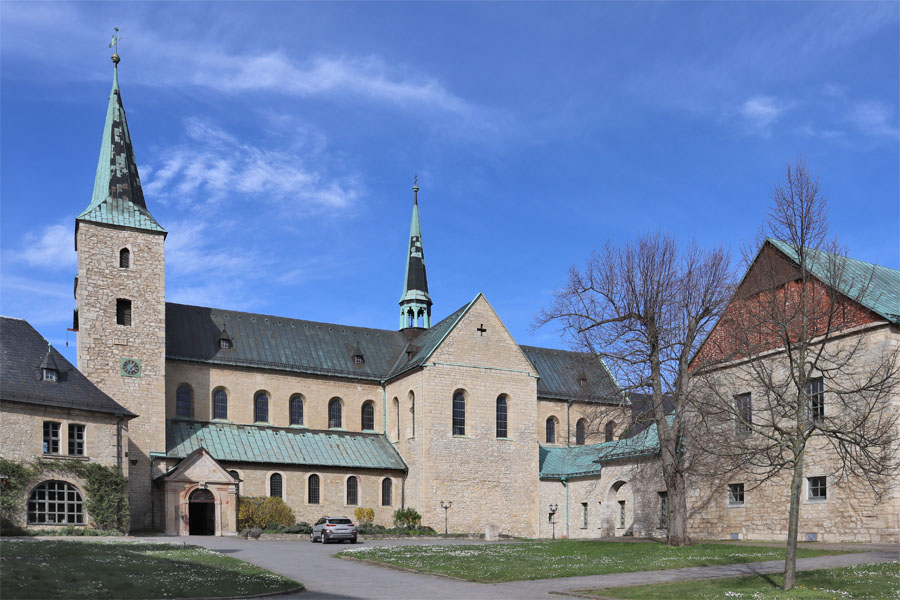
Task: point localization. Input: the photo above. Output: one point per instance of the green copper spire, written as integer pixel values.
(415, 304)
(118, 198)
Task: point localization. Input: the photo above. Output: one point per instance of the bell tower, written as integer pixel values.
(120, 295)
(415, 303)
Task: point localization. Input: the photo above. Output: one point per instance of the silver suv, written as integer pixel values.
(333, 528)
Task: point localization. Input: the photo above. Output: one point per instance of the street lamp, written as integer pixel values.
(553, 509)
(446, 507)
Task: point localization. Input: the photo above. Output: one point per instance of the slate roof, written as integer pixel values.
(227, 442)
(310, 347)
(22, 353)
(874, 286)
(415, 284)
(584, 461)
(118, 197)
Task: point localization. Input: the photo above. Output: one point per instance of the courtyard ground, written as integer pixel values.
(327, 578)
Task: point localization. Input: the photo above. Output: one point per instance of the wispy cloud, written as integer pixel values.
(874, 118)
(761, 112)
(50, 248)
(212, 164)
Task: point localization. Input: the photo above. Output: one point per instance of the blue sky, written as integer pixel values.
(277, 142)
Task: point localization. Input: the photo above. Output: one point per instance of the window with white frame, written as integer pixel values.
(817, 490)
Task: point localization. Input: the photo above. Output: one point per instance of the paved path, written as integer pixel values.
(327, 578)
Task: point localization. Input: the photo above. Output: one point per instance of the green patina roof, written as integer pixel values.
(585, 461)
(227, 442)
(118, 198)
(415, 280)
(874, 286)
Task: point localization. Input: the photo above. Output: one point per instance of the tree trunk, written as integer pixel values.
(677, 502)
(790, 561)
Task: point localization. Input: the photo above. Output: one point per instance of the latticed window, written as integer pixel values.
(580, 432)
(815, 392)
(124, 258)
(387, 488)
(276, 486)
(501, 417)
(550, 434)
(610, 431)
(817, 489)
(123, 311)
(261, 408)
(312, 489)
(368, 416)
(621, 514)
(296, 410)
(663, 509)
(459, 413)
(334, 413)
(76, 440)
(743, 407)
(735, 493)
(220, 404)
(352, 491)
(183, 401)
(55, 502)
(51, 437)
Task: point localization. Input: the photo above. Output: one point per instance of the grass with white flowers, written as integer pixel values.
(541, 560)
(81, 569)
(846, 583)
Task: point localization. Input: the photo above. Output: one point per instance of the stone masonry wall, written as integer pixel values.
(102, 344)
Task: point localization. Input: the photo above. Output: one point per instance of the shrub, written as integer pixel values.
(364, 516)
(301, 527)
(408, 518)
(264, 513)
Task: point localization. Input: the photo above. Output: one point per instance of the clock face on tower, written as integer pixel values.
(131, 367)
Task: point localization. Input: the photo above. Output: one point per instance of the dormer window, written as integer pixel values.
(224, 343)
(582, 381)
(358, 359)
(50, 375)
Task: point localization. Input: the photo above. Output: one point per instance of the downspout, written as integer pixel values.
(568, 423)
(383, 408)
(566, 485)
(119, 442)
(152, 497)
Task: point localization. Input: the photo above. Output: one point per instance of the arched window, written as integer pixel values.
(334, 413)
(55, 502)
(459, 413)
(275, 486)
(550, 437)
(368, 416)
(312, 489)
(610, 431)
(501, 417)
(352, 491)
(387, 488)
(412, 412)
(220, 404)
(580, 432)
(296, 409)
(183, 401)
(397, 416)
(124, 258)
(261, 408)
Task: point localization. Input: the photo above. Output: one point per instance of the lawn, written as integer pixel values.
(540, 560)
(863, 581)
(76, 569)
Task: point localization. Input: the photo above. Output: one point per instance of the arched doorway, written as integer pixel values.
(201, 513)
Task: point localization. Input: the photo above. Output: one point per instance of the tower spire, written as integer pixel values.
(118, 198)
(415, 303)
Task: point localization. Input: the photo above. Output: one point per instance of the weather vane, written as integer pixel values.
(115, 44)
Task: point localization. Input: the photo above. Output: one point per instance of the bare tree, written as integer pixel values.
(798, 331)
(644, 308)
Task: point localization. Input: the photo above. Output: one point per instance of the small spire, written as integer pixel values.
(416, 189)
(115, 44)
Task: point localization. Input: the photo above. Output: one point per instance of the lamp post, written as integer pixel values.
(553, 509)
(446, 507)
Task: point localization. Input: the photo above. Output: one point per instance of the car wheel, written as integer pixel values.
(325, 539)
(312, 538)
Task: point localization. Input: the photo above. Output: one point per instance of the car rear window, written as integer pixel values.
(340, 521)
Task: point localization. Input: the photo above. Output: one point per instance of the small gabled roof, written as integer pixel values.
(585, 461)
(118, 197)
(873, 286)
(23, 353)
(227, 442)
(561, 372)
